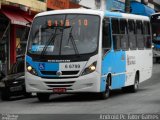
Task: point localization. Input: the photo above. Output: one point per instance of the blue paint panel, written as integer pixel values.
(141, 9)
(115, 63)
(103, 84)
(118, 81)
(156, 46)
(113, 14)
(43, 66)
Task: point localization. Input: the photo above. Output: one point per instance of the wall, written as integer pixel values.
(88, 3)
(34, 5)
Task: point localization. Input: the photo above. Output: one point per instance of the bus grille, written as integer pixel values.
(63, 72)
(65, 84)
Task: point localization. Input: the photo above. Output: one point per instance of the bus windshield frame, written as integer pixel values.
(49, 36)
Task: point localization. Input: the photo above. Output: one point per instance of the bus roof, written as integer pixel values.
(125, 15)
(80, 11)
(158, 13)
(95, 12)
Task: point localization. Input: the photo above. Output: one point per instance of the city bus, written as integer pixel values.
(87, 51)
(155, 23)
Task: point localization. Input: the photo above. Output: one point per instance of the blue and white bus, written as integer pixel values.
(87, 51)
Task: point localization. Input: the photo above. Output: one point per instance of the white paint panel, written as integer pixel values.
(135, 17)
(80, 11)
(72, 66)
(138, 60)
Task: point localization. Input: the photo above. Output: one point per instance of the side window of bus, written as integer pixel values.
(106, 40)
(116, 34)
(124, 34)
(131, 33)
(139, 31)
(147, 34)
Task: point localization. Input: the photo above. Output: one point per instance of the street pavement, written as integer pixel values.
(146, 100)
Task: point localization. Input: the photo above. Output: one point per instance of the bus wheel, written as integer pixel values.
(43, 97)
(106, 93)
(134, 88)
(154, 60)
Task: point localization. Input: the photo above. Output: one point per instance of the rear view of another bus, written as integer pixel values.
(155, 22)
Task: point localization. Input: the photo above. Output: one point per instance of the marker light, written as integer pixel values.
(29, 68)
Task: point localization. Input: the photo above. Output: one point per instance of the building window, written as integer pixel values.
(21, 40)
(98, 4)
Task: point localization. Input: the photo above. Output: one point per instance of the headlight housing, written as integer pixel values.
(31, 70)
(90, 69)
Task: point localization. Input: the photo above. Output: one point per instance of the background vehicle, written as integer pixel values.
(155, 22)
(82, 51)
(1, 75)
(13, 84)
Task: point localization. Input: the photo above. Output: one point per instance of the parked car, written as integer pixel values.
(13, 84)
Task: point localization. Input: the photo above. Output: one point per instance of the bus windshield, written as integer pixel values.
(64, 34)
(155, 20)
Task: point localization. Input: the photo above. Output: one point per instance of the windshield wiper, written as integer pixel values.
(70, 38)
(73, 43)
(52, 38)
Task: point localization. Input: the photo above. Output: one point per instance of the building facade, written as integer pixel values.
(103, 4)
(61, 4)
(112, 5)
(15, 19)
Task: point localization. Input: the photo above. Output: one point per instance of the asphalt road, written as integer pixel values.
(146, 100)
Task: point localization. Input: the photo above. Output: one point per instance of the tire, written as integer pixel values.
(104, 95)
(134, 88)
(28, 95)
(154, 60)
(158, 60)
(43, 97)
(5, 95)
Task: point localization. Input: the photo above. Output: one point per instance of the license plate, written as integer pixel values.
(17, 88)
(59, 90)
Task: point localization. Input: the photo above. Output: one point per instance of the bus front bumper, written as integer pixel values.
(86, 83)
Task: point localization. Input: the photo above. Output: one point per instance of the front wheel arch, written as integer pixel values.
(106, 93)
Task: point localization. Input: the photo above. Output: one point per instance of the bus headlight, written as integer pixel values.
(152, 46)
(90, 69)
(31, 70)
